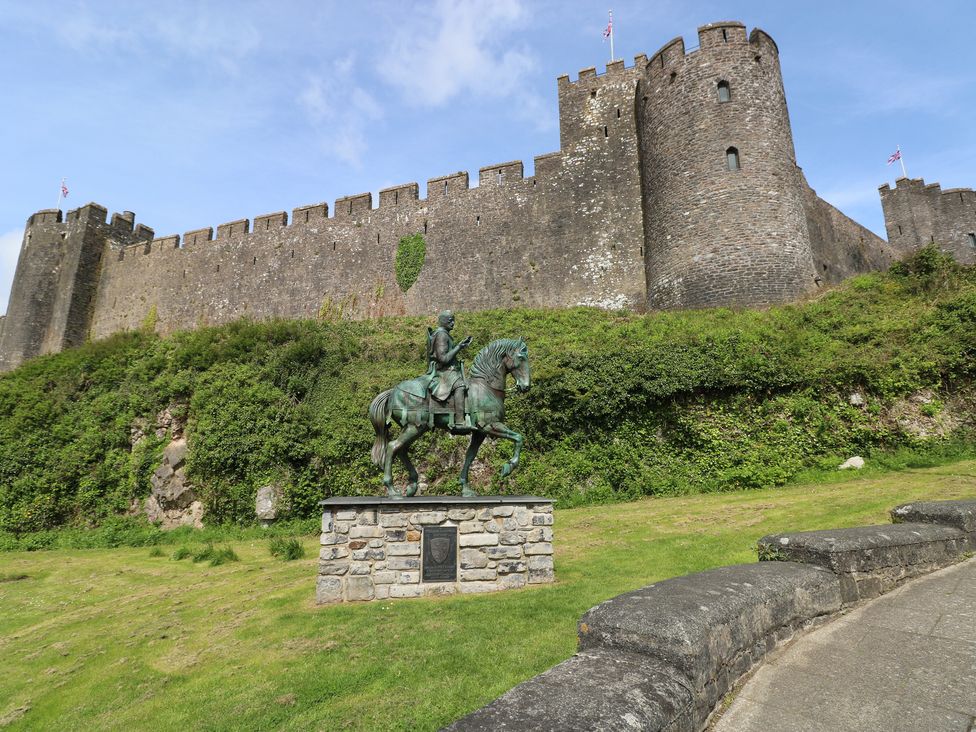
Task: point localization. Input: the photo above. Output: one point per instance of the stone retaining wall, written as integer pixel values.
(372, 548)
(663, 657)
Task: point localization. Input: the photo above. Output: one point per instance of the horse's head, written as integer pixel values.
(517, 364)
(500, 358)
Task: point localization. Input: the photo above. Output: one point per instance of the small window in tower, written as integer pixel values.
(899, 229)
(396, 197)
(758, 59)
(972, 240)
(732, 157)
(618, 112)
(724, 93)
(254, 260)
(425, 227)
(350, 207)
(498, 177)
(478, 220)
(592, 93)
(377, 237)
(725, 35)
(445, 188)
(674, 75)
(605, 133)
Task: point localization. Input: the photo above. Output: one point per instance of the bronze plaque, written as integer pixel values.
(439, 554)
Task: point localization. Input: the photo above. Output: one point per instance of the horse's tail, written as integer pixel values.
(378, 416)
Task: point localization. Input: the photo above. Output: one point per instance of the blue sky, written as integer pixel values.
(196, 113)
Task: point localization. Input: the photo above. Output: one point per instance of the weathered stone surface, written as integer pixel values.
(328, 553)
(540, 533)
(402, 563)
(853, 463)
(701, 623)
(542, 561)
(393, 520)
(593, 690)
(327, 522)
(384, 577)
(428, 517)
(328, 589)
(366, 532)
(502, 511)
(359, 589)
(871, 560)
(511, 581)
(958, 514)
(406, 590)
(334, 568)
(477, 540)
(504, 552)
(357, 544)
(460, 514)
(471, 527)
(540, 576)
(473, 559)
(413, 535)
(511, 565)
(542, 520)
(347, 515)
(332, 538)
(468, 575)
(396, 535)
(540, 547)
(406, 549)
(172, 501)
(468, 588)
(510, 538)
(267, 502)
(408, 578)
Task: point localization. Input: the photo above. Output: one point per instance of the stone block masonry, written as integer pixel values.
(376, 548)
(638, 208)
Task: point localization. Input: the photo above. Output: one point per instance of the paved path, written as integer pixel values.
(906, 661)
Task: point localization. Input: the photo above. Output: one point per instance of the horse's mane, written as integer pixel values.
(488, 357)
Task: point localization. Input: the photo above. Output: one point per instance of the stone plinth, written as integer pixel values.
(379, 548)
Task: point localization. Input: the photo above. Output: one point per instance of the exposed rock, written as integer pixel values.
(172, 501)
(854, 463)
(268, 503)
(856, 399)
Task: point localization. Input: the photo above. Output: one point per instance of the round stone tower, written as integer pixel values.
(724, 221)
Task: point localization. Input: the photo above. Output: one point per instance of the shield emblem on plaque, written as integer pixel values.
(440, 547)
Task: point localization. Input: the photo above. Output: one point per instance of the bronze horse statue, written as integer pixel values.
(409, 406)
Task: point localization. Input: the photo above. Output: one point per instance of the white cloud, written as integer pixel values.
(9, 251)
(339, 110)
(460, 46)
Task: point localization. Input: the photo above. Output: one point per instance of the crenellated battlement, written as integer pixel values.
(613, 71)
(919, 213)
(406, 194)
(712, 38)
(919, 186)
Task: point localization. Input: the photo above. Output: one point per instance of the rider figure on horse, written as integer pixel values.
(447, 385)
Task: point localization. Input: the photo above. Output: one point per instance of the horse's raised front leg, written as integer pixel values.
(476, 439)
(413, 476)
(500, 430)
(399, 448)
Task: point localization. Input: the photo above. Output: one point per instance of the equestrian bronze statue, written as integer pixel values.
(446, 398)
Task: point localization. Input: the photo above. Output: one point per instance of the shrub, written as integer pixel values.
(286, 549)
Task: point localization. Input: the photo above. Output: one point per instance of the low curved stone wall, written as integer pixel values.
(663, 657)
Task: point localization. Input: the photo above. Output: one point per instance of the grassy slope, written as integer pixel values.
(115, 639)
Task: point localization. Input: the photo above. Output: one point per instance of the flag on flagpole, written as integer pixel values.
(894, 156)
(609, 29)
(64, 190)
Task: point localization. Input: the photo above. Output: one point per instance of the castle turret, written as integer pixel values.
(917, 214)
(56, 280)
(724, 221)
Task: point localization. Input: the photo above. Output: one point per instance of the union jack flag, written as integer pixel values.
(895, 156)
(64, 189)
(609, 30)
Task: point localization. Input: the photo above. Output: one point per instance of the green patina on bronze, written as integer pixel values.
(443, 398)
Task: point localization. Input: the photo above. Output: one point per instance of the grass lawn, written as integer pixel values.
(117, 639)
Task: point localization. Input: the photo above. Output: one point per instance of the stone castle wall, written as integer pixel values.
(637, 209)
(917, 214)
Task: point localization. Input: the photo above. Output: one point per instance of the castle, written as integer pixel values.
(675, 185)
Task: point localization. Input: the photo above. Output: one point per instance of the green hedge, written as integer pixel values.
(622, 405)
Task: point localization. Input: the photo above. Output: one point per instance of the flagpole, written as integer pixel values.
(901, 159)
(60, 190)
(611, 37)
